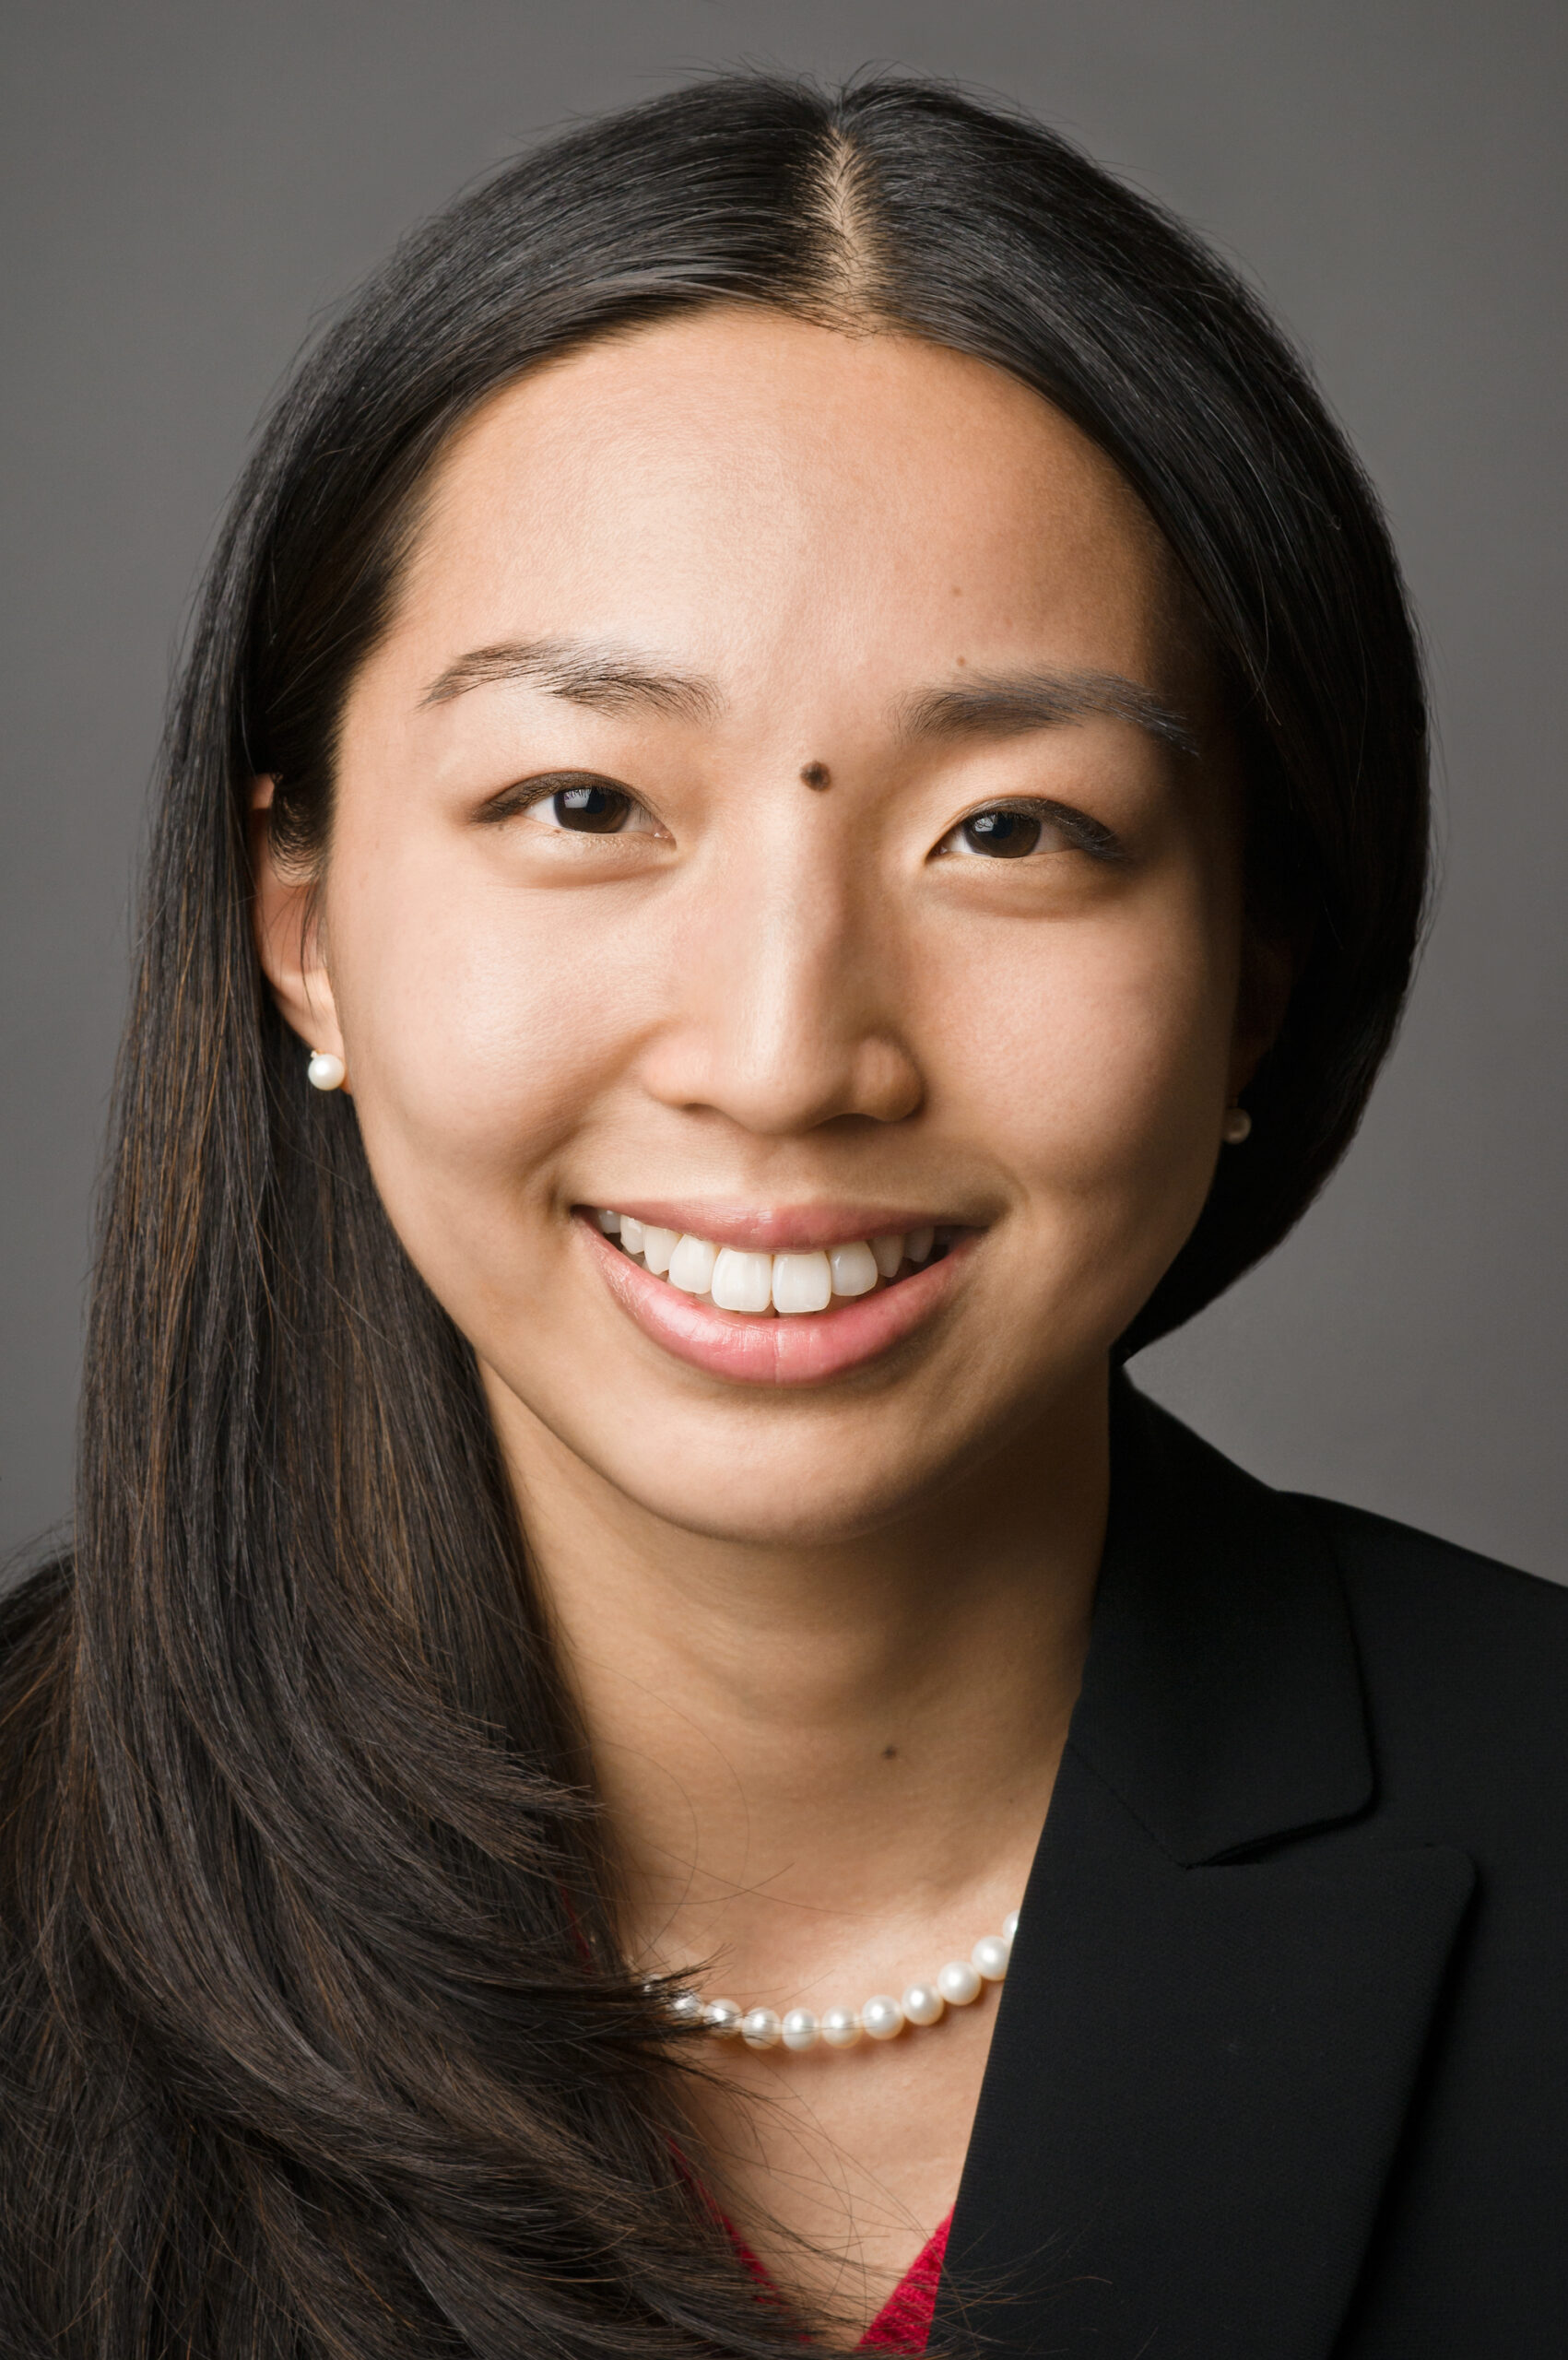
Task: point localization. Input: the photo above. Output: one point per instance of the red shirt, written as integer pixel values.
(903, 2323)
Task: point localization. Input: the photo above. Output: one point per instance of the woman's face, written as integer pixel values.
(766, 818)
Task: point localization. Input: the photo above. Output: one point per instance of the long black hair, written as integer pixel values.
(315, 2041)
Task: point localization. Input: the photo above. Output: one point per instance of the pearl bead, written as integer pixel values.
(959, 1983)
(325, 1071)
(924, 2005)
(990, 1957)
(881, 2017)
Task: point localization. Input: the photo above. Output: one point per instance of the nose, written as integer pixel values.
(782, 999)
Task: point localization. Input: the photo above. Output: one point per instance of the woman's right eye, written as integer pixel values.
(575, 803)
(589, 807)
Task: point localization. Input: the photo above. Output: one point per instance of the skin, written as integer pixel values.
(825, 1636)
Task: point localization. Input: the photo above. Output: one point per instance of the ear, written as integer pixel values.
(286, 921)
(1270, 963)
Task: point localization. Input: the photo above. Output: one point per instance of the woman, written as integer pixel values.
(797, 818)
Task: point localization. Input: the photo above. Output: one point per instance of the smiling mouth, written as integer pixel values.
(763, 1285)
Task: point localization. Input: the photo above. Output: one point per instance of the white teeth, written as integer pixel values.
(658, 1244)
(742, 1282)
(854, 1268)
(691, 1265)
(802, 1283)
(740, 1279)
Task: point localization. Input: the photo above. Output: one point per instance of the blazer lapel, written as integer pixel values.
(1220, 1987)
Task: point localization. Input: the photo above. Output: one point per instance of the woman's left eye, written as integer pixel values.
(1011, 831)
(996, 835)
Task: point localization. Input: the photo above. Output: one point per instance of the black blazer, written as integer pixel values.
(1280, 2069)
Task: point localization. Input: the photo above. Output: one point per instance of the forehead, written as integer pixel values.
(753, 490)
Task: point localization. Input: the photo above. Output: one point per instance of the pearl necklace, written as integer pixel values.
(879, 2018)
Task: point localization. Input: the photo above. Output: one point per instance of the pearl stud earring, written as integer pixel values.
(1238, 1122)
(325, 1071)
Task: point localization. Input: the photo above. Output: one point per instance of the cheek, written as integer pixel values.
(1096, 1059)
(474, 1037)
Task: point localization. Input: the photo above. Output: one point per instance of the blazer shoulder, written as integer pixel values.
(1391, 1574)
(1437, 1578)
(1464, 1661)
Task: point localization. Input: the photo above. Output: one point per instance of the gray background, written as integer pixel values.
(190, 184)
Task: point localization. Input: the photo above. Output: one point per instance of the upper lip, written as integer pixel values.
(775, 1229)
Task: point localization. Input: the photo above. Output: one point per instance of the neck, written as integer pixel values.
(796, 1742)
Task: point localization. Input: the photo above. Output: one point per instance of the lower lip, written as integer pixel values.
(802, 1348)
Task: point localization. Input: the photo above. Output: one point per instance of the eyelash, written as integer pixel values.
(1086, 836)
(512, 800)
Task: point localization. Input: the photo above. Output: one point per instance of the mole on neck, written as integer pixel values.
(817, 776)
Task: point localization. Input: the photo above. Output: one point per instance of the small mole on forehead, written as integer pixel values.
(818, 775)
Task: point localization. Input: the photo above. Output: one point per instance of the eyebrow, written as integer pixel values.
(1008, 704)
(617, 680)
(610, 679)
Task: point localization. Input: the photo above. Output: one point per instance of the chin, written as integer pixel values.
(817, 1498)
